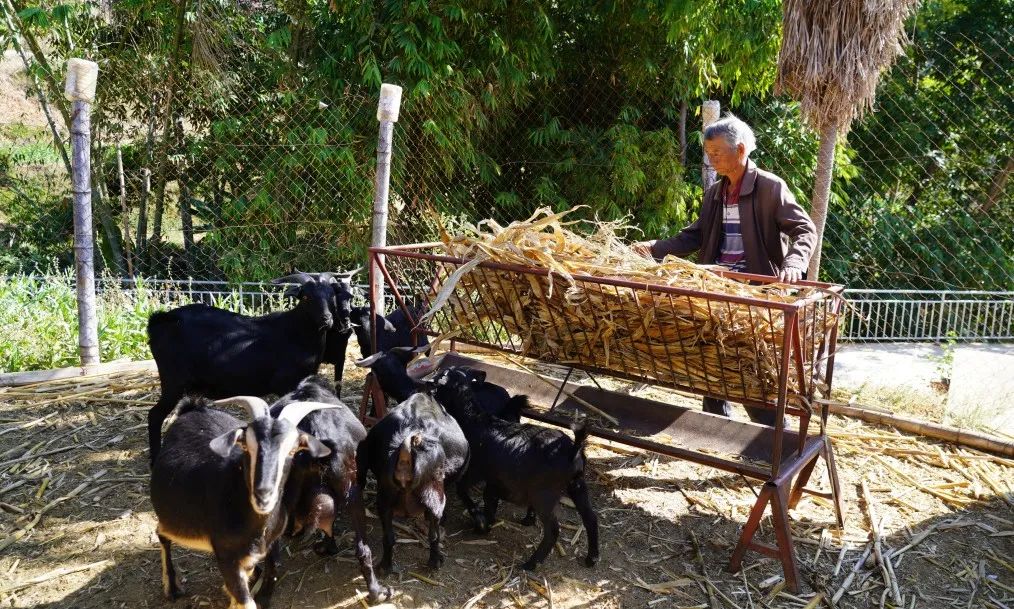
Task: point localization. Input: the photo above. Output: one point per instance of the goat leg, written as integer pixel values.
(354, 501)
(170, 584)
(436, 555)
(490, 503)
(268, 577)
(577, 490)
(236, 582)
(481, 524)
(385, 508)
(550, 533)
(158, 413)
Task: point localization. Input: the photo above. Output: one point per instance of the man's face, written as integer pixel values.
(724, 158)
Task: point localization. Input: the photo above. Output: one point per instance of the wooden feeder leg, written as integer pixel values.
(752, 522)
(832, 474)
(804, 477)
(780, 516)
(364, 402)
(379, 399)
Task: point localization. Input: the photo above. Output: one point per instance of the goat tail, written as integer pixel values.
(580, 438)
(512, 410)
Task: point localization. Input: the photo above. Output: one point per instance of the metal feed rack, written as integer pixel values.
(491, 306)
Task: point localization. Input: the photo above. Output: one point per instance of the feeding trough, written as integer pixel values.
(750, 340)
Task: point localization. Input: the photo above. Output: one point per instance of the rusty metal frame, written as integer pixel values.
(786, 477)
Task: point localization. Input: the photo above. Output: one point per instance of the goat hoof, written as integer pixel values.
(529, 520)
(590, 561)
(436, 561)
(389, 569)
(173, 595)
(174, 590)
(326, 547)
(381, 594)
(529, 565)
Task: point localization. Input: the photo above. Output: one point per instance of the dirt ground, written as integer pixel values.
(77, 530)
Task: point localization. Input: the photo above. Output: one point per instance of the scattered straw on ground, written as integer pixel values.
(76, 526)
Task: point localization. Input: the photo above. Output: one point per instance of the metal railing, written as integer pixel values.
(873, 315)
(928, 315)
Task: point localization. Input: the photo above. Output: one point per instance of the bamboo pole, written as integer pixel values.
(387, 115)
(937, 431)
(124, 211)
(81, 80)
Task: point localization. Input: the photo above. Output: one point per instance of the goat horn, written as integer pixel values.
(255, 407)
(367, 361)
(349, 274)
(294, 412)
(297, 277)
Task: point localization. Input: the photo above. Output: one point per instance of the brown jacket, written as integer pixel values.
(767, 210)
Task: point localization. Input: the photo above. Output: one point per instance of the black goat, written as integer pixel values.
(217, 487)
(394, 330)
(414, 453)
(521, 463)
(390, 368)
(218, 353)
(317, 487)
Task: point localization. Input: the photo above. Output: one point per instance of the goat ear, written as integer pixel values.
(387, 325)
(222, 445)
(478, 376)
(292, 291)
(312, 445)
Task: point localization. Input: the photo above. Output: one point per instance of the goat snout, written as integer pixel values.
(263, 501)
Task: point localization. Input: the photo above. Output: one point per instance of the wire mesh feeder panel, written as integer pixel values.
(768, 349)
(720, 345)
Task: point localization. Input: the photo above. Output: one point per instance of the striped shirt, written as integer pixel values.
(731, 255)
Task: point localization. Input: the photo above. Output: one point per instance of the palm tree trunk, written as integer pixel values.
(997, 186)
(822, 193)
(167, 125)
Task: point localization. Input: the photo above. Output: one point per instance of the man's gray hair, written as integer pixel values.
(733, 131)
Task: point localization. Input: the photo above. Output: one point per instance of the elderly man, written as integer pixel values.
(749, 222)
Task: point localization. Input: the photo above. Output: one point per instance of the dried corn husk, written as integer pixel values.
(557, 311)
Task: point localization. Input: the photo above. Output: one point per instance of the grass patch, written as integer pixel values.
(39, 318)
(28, 145)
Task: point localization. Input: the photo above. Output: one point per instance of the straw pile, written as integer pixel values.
(705, 343)
(833, 53)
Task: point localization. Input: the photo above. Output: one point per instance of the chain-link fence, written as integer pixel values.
(217, 165)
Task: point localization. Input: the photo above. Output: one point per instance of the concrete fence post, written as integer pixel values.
(82, 76)
(387, 115)
(709, 114)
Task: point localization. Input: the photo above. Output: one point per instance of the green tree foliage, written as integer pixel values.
(257, 122)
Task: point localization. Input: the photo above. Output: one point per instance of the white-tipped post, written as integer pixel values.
(709, 114)
(387, 115)
(82, 77)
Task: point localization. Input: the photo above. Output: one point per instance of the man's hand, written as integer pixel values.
(790, 275)
(642, 248)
